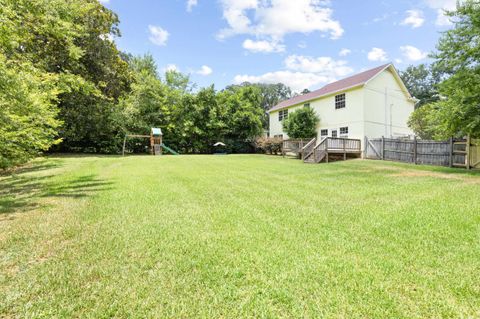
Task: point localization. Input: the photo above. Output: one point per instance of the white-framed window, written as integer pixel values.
(278, 136)
(306, 105)
(340, 101)
(282, 115)
(334, 133)
(344, 131)
(324, 132)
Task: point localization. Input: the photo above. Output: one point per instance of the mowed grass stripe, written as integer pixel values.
(240, 236)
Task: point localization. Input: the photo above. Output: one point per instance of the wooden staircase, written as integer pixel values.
(329, 147)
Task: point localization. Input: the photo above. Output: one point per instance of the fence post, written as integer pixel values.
(365, 141)
(415, 149)
(383, 148)
(451, 152)
(468, 152)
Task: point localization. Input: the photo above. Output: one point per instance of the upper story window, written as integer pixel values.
(282, 115)
(340, 101)
(344, 131)
(323, 132)
(306, 105)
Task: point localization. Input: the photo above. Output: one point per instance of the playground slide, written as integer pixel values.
(168, 149)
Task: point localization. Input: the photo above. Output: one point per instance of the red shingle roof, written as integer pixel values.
(352, 81)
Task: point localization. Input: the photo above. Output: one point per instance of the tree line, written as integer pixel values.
(448, 90)
(65, 87)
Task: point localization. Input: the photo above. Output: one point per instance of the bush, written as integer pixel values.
(269, 145)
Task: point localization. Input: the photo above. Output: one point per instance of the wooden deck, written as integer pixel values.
(325, 149)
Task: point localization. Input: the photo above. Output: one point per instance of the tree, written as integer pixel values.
(301, 123)
(244, 119)
(458, 56)
(27, 113)
(422, 81)
(271, 95)
(71, 41)
(421, 121)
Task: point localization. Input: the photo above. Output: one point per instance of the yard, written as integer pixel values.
(238, 236)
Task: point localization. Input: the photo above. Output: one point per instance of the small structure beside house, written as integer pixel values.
(372, 104)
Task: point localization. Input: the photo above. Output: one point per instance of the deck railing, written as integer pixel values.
(344, 144)
(294, 145)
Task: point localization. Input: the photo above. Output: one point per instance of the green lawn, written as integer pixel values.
(238, 236)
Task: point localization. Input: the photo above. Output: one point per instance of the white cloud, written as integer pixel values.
(205, 70)
(377, 54)
(412, 53)
(191, 4)
(158, 36)
(344, 52)
(440, 6)
(325, 66)
(272, 20)
(104, 1)
(297, 81)
(398, 61)
(414, 18)
(263, 46)
(302, 72)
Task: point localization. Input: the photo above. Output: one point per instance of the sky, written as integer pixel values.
(301, 43)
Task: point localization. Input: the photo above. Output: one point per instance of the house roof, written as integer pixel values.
(350, 82)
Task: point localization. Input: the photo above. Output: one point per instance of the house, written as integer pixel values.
(373, 103)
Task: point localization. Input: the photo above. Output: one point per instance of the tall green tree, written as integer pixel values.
(271, 95)
(422, 83)
(73, 40)
(301, 123)
(28, 122)
(458, 55)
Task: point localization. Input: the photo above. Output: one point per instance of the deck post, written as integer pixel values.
(326, 150)
(344, 151)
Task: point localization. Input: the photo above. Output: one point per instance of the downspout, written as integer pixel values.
(386, 115)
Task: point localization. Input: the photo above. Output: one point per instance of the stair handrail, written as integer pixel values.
(308, 145)
(317, 147)
(322, 141)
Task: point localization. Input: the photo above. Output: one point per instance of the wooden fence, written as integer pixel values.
(453, 153)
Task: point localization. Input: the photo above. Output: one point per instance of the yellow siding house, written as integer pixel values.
(372, 104)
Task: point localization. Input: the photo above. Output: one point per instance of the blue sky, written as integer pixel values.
(302, 43)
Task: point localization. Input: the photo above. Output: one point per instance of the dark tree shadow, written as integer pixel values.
(22, 191)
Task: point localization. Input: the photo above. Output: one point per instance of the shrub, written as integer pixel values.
(269, 145)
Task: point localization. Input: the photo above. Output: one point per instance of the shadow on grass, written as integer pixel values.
(21, 191)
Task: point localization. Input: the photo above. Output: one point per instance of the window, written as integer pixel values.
(282, 115)
(334, 133)
(323, 132)
(278, 136)
(306, 105)
(344, 131)
(340, 101)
